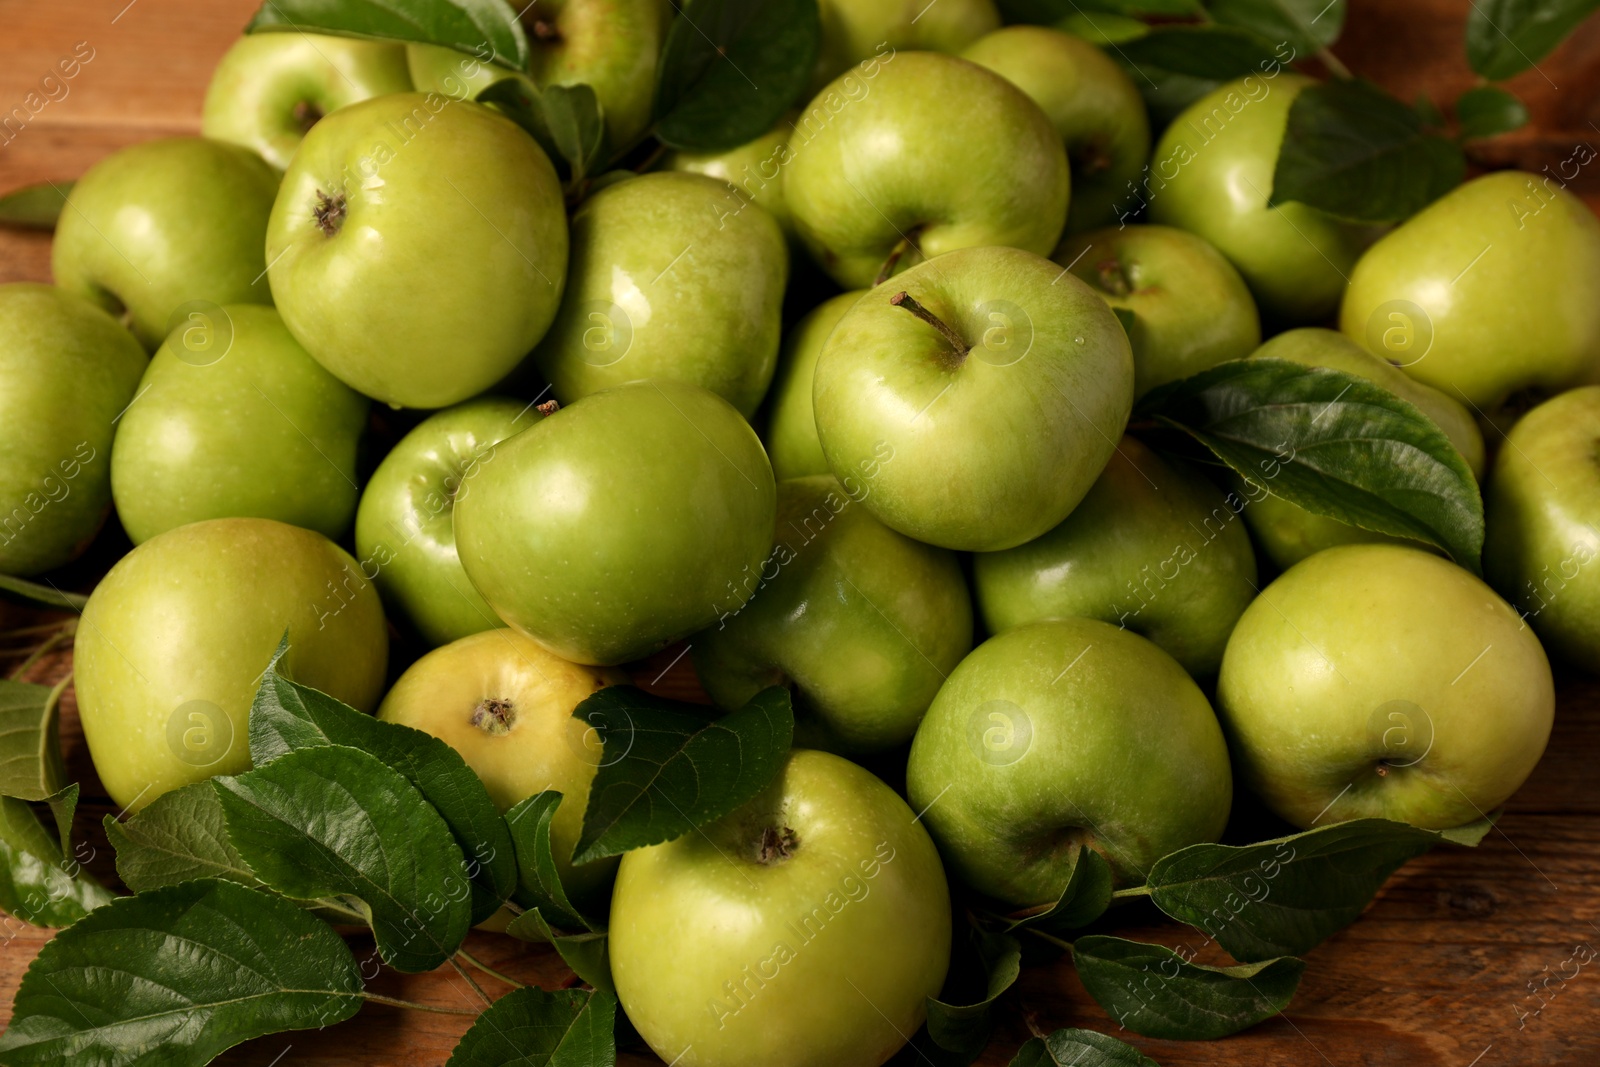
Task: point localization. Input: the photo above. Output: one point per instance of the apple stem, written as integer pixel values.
(907, 243)
(905, 300)
(329, 213)
(1113, 279)
(546, 32)
(307, 115)
(1091, 158)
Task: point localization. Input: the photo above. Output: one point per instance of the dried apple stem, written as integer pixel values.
(907, 301)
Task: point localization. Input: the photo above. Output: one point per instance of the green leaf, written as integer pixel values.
(336, 822)
(1306, 25)
(287, 716)
(1045, 12)
(1102, 29)
(487, 29)
(1079, 1048)
(32, 594)
(30, 742)
(1506, 37)
(1218, 53)
(1472, 834)
(534, 1028)
(34, 207)
(1085, 898)
(39, 883)
(1153, 991)
(1333, 443)
(666, 770)
(174, 977)
(586, 953)
(1354, 151)
(1487, 111)
(965, 1028)
(731, 68)
(1286, 896)
(539, 880)
(1428, 111)
(573, 116)
(180, 836)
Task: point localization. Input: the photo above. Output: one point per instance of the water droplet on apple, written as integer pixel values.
(1077, 340)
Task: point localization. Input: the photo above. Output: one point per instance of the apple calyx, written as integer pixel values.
(546, 32)
(776, 845)
(329, 213)
(905, 300)
(495, 716)
(1113, 277)
(548, 408)
(1091, 157)
(306, 115)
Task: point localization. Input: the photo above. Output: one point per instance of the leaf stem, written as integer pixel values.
(1334, 64)
(1054, 940)
(395, 1002)
(45, 648)
(1128, 894)
(471, 981)
(490, 971)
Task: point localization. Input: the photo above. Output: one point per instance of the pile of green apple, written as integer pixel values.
(1010, 629)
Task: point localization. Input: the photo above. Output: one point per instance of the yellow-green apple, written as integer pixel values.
(980, 393)
(861, 623)
(405, 526)
(1381, 681)
(1063, 733)
(854, 31)
(1191, 309)
(270, 88)
(754, 169)
(808, 927)
(165, 224)
(67, 371)
(235, 420)
(387, 199)
(505, 704)
(1154, 548)
(676, 277)
(791, 429)
(1543, 509)
(1211, 174)
(618, 525)
(867, 196)
(1094, 105)
(175, 638)
(1487, 291)
(1289, 533)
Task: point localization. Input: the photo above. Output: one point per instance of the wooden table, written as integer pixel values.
(1455, 964)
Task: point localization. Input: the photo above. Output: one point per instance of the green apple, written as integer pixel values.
(505, 704)
(1543, 544)
(1211, 174)
(234, 420)
(1094, 106)
(1289, 533)
(676, 277)
(1155, 548)
(754, 169)
(792, 430)
(165, 224)
(1191, 310)
(419, 247)
(175, 638)
(861, 623)
(67, 371)
(405, 526)
(867, 195)
(1380, 681)
(980, 394)
(808, 928)
(618, 525)
(612, 46)
(1063, 733)
(270, 88)
(854, 31)
(1487, 291)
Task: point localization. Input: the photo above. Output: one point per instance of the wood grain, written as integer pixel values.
(1457, 961)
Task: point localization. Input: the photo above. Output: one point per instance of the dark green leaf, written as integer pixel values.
(517, 99)
(173, 977)
(1153, 991)
(487, 29)
(534, 1028)
(1166, 94)
(1079, 1048)
(667, 770)
(731, 68)
(1333, 443)
(1506, 37)
(39, 883)
(1487, 111)
(1428, 111)
(1085, 899)
(1356, 152)
(34, 207)
(1307, 26)
(287, 716)
(539, 880)
(1286, 896)
(965, 1028)
(22, 591)
(572, 115)
(178, 837)
(336, 822)
(586, 953)
(1048, 12)
(30, 743)
(1218, 53)
(63, 806)
(1103, 29)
